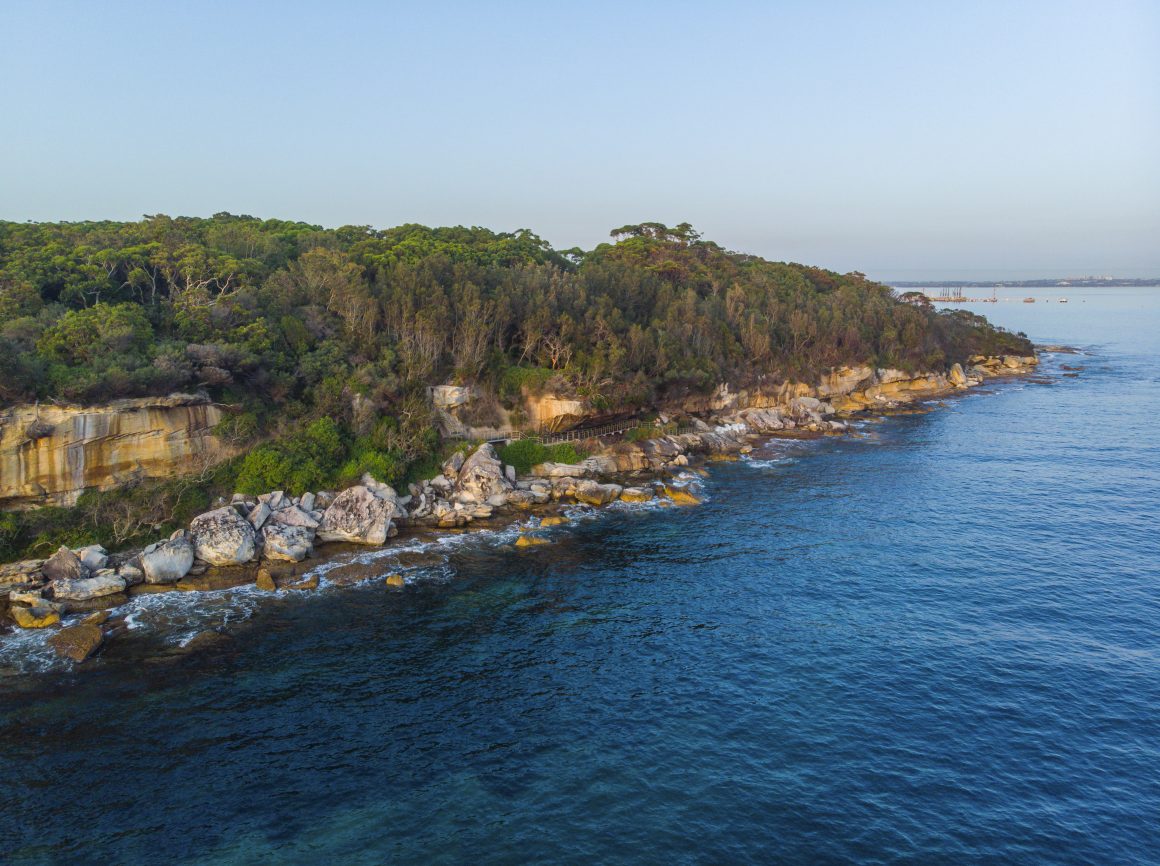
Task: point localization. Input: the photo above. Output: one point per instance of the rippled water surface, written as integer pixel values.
(938, 643)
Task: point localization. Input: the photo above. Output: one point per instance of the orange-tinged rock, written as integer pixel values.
(395, 580)
(151, 589)
(553, 521)
(218, 578)
(530, 541)
(635, 494)
(681, 497)
(90, 447)
(35, 617)
(266, 581)
(77, 642)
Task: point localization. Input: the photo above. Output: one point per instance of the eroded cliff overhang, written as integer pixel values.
(51, 453)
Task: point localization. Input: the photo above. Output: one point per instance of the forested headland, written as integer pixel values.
(323, 341)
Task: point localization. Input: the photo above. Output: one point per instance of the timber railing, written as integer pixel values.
(578, 435)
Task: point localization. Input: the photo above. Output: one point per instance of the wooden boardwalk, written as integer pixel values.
(577, 435)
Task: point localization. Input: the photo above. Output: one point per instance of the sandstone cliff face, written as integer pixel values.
(50, 457)
(552, 413)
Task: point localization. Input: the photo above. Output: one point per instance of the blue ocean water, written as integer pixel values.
(938, 642)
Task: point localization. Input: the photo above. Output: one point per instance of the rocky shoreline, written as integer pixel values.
(269, 540)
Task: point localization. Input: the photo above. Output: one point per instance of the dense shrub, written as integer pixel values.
(651, 430)
(385, 466)
(305, 461)
(523, 454)
(98, 334)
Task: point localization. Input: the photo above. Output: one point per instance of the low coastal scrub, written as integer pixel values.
(651, 430)
(523, 454)
(134, 514)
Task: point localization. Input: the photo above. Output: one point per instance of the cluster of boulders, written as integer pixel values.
(476, 486)
(41, 591)
(802, 413)
(36, 588)
(272, 526)
(468, 488)
(277, 527)
(982, 366)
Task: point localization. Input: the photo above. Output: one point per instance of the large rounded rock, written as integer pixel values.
(357, 515)
(482, 475)
(223, 537)
(64, 565)
(284, 541)
(86, 588)
(591, 493)
(168, 562)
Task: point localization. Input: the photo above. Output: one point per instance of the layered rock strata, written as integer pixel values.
(50, 454)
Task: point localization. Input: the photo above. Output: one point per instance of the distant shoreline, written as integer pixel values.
(1076, 283)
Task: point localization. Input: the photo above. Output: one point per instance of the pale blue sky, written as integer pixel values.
(902, 139)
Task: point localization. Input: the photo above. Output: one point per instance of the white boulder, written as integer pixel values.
(284, 541)
(561, 470)
(223, 537)
(167, 562)
(357, 515)
(482, 474)
(86, 588)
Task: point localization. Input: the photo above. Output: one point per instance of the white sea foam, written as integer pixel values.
(27, 651)
(766, 462)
